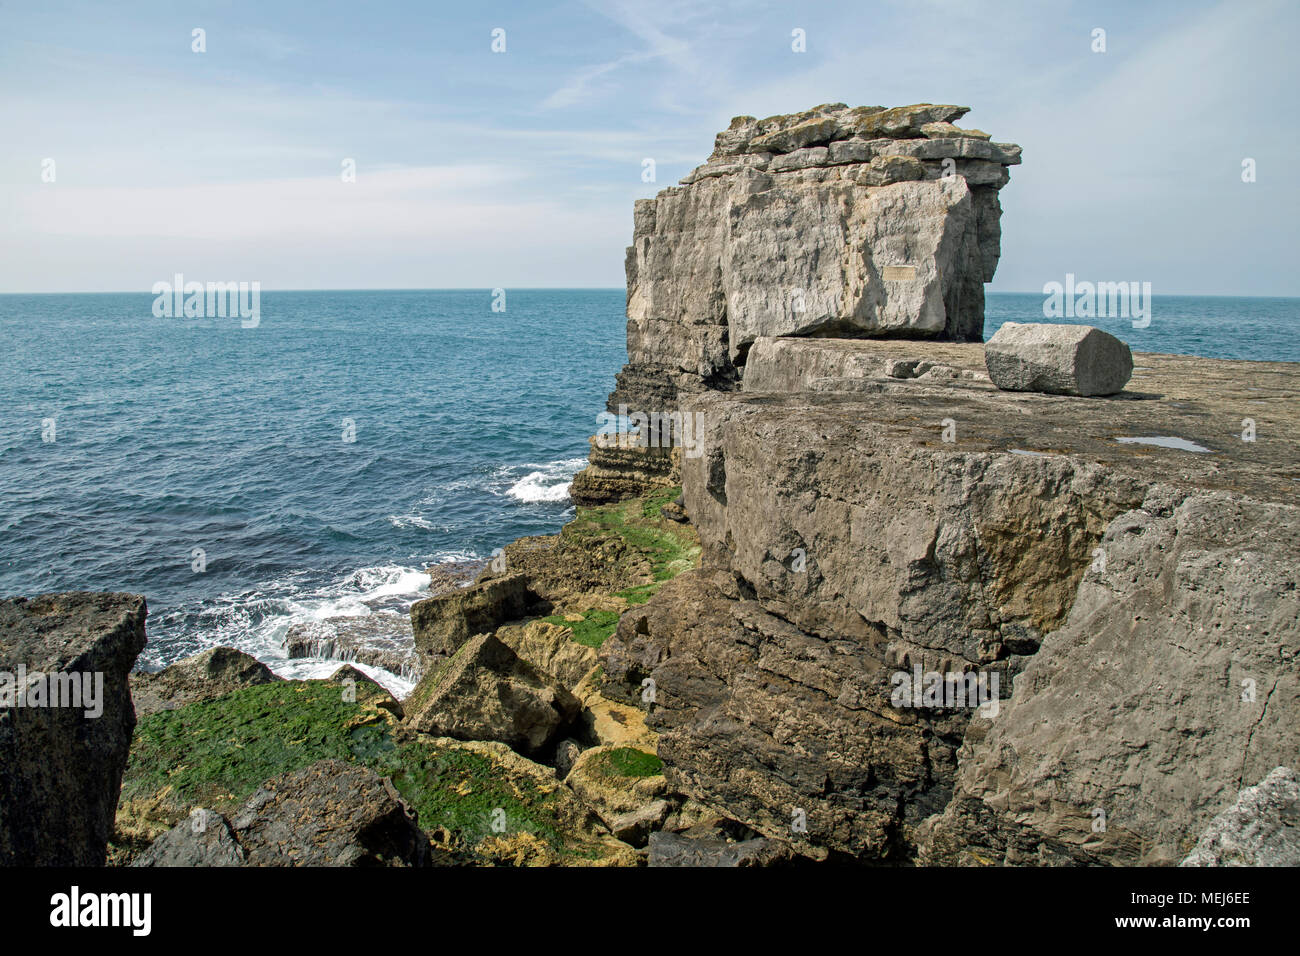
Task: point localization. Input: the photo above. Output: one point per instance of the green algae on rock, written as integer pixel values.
(214, 754)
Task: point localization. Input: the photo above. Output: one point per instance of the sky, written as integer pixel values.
(483, 169)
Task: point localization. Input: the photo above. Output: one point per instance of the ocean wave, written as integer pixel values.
(257, 621)
(548, 483)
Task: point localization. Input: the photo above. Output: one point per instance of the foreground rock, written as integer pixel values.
(848, 538)
(487, 692)
(329, 814)
(1179, 646)
(479, 802)
(204, 839)
(617, 781)
(65, 659)
(688, 849)
(1261, 829)
(203, 676)
(442, 624)
(1057, 359)
(551, 649)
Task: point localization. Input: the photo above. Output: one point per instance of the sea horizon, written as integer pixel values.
(200, 434)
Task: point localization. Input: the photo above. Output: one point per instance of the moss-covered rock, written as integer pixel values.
(615, 781)
(216, 753)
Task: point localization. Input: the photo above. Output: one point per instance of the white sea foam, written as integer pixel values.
(312, 669)
(549, 482)
(402, 522)
(257, 621)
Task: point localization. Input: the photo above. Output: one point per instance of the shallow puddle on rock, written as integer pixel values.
(1165, 441)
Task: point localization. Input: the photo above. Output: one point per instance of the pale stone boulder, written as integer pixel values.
(1057, 359)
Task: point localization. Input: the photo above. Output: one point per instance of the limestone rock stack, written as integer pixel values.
(857, 222)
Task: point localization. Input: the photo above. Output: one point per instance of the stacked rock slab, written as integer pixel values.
(61, 766)
(845, 221)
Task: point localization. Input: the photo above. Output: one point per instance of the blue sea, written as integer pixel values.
(175, 436)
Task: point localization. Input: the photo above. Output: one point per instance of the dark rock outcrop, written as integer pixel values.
(329, 814)
(62, 765)
(204, 839)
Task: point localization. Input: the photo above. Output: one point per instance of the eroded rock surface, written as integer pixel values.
(1261, 829)
(1171, 684)
(443, 623)
(487, 692)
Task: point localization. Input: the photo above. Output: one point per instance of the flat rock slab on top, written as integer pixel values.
(1057, 359)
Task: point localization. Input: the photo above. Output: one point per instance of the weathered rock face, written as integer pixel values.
(1261, 829)
(683, 849)
(886, 517)
(618, 781)
(1058, 359)
(836, 221)
(203, 676)
(486, 692)
(551, 649)
(1170, 686)
(329, 814)
(62, 765)
(204, 839)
